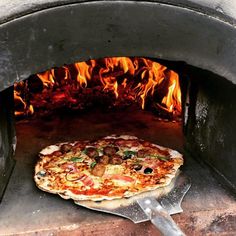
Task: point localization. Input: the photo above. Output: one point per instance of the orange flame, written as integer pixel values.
(84, 74)
(47, 77)
(139, 77)
(173, 97)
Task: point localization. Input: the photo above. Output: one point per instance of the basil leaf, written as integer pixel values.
(93, 164)
(76, 159)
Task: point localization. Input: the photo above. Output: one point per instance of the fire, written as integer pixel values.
(47, 77)
(173, 98)
(116, 79)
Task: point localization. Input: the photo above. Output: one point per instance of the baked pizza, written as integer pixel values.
(116, 166)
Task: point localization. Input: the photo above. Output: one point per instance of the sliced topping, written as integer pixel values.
(163, 152)
(116, 159)
(142, 153)
(56, 153)
(129, 154)
(137, 167)
(77, 159)
(163, 158)
(146, 144)
(151, 153)
(93, 164)
(91, 152)
(65, 148)
(103, 159)
(98, 169)
(86, 180)
(49, 150)
(73, 176)
(127, 143)
(68, 167)
(148, 170)
(79, 145)
(120, 177)
(42, 173)
(110, 150)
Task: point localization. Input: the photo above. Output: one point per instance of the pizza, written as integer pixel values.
(116, 166)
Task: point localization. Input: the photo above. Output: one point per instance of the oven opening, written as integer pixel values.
(164, 102)
(87, 100)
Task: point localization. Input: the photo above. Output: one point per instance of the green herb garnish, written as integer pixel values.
(76, 159)
(84, 151)
(159, 157)
(93, 164)
(129, 153)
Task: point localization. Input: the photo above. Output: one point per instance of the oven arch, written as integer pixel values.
(84, 30)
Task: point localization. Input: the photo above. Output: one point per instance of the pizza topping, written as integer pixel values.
(77, 159)
(148, 170)
(79, 145)
(87, 181)
(110, 150)
(49, 150)
(103, 159)
(163, 152)
(42, 173)
(163, 158)
(116, 159)
(91, 152)
(121, 177)
(98, 169)
(137, 167)
(128, 154)
(65, 148)
(142, 153)
(68, 167)
(72, 176)
(93, 164)
(56, 153)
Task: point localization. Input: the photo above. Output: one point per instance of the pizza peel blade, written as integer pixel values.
(169, 198)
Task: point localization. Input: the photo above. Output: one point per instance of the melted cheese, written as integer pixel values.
(114, 169)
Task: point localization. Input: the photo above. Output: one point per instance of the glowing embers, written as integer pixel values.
(107, 82)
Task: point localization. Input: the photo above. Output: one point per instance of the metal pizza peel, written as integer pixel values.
(156, 205)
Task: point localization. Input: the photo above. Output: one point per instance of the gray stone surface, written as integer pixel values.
(211, 127)
(13, 9)
(79, 32)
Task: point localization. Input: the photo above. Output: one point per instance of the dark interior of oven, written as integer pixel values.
(203, 131)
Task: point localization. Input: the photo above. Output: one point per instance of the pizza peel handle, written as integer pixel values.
(159, 210)
(160, 217)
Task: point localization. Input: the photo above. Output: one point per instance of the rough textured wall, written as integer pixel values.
(7, 137)
(224, 9)
(211, 127)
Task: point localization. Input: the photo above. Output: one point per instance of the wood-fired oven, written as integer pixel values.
(194, 39)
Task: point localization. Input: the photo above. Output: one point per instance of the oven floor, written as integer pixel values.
(26, 210)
